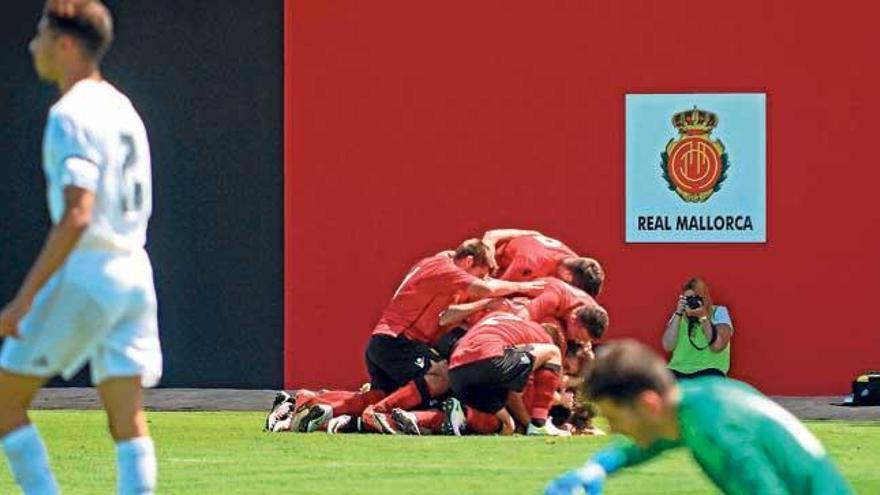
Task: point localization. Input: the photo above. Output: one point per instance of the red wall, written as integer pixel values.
(413, 125)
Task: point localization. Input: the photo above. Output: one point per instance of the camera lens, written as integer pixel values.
(694, 302)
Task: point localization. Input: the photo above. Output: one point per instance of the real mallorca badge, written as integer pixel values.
(694, 165)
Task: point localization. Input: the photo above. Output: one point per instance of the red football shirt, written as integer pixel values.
(426, 291)
(557, 302)
(529, 257)
(495, 333)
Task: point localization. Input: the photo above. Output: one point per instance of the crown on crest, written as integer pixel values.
(694, 120)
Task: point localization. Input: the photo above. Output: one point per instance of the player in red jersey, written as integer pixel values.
(399, 356)
(453, 419)
(528, 255)
(559, 304)
(582, 318)
(492, 364)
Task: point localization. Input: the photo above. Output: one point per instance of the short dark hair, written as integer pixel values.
(594, 319)
(572, 347)
(586, 274)
(89, 22)
(475, 248)
(624, 369)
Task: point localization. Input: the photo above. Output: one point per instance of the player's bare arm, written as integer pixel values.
(459, 312)
(670, 335)
(492, 237)
(496, 288)
(59, 243)
(723, 334)
(518, 408)
(508, 426)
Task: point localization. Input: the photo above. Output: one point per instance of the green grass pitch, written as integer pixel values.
(226, 453)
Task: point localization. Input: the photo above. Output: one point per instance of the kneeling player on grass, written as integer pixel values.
(453, 419)
(491, 366)
(745, 443)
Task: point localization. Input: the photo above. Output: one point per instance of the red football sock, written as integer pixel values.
(483, 423)
(546, 383)
(432, 419)
(528, 394)
(353, 403)
(329, 397)
(406, 397)
(304, 398)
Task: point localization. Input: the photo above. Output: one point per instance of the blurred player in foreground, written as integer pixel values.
(745, 443)
(89, 296)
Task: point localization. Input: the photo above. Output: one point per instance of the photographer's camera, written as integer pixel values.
(694, 301)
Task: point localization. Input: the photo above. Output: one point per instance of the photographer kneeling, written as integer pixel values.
(698, 334)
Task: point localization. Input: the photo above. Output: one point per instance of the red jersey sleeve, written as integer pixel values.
(454, 277)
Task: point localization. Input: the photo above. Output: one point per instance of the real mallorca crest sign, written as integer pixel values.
(698, 194)
(694, 165)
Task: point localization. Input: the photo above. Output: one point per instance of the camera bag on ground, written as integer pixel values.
(866, 389)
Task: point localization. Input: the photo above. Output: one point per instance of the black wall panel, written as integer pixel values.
(207, 78)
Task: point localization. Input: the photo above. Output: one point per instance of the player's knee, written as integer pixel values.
(120, 430)
(438, 383)
(11, 421)
(13, 415)
(555, 355)
(551, 354)
(546, 354)
(439, 368)
(127, 427)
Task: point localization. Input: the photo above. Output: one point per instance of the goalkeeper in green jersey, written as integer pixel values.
(744, 442)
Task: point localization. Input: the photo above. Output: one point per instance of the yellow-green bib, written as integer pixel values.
(687, 359)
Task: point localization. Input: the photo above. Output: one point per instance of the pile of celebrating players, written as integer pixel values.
(493, 337)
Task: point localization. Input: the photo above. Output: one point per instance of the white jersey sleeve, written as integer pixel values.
(81, 173)
(722, 316)
(76, 158)
(96, 141)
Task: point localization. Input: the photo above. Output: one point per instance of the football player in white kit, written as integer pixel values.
(89, 296)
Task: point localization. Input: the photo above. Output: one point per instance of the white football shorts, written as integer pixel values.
(99, 308)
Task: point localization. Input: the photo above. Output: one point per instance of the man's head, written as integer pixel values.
(473, 257)
(71, 34)
(592, 319)
(697, 287)
(577, 357)
(634, 390)
(584, 273)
